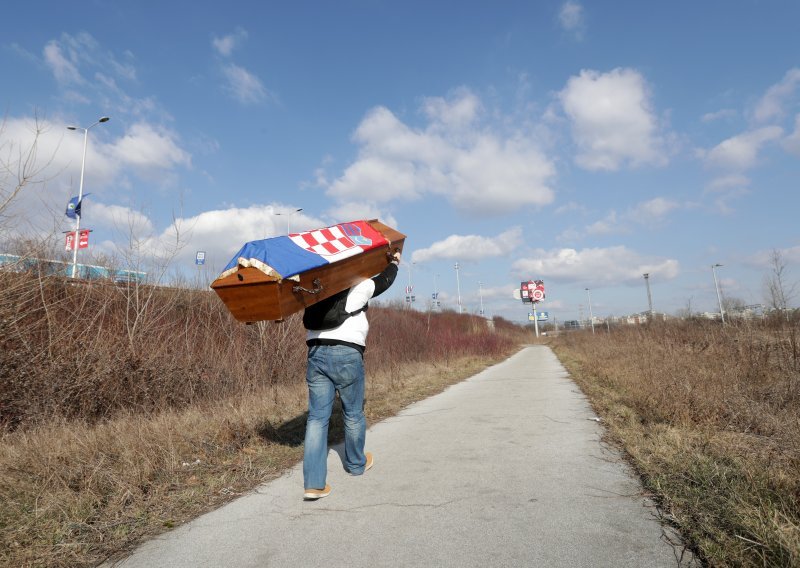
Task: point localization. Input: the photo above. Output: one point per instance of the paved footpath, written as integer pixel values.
(504, 469)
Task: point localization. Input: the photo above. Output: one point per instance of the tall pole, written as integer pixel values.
(591, 315)
(458, 284)
(289, 218)
(410, 289)
(649, 297)
(480, 294)
(76, 238)
(435, 292)
(719, 296)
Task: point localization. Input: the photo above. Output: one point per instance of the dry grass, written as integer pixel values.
(710, 417)
(171, 408)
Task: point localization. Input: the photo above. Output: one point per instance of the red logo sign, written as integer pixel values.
(83, 240)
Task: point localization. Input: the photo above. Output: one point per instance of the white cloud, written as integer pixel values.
(792, 142)
(456, 114)
(344, 212)
(740, 153)
(725, 183)
(652, 209)
(722, 114)
(569, 207)
(69, 54)
(571, 18)
(470, 247)
(771, 105)
(597, 266)
(650, 213)
(608, 225)
(243, 85)
(763, 259)
(64, 69)
(146, 147)
(453, 156)
(120, 218)
(612, 121)
(226, 44)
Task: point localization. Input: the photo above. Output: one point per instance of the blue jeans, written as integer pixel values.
(333, 368)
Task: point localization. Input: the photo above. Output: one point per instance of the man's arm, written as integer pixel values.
(386, 278)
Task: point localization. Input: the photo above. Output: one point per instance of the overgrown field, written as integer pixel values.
(125, 411)
(710, 416)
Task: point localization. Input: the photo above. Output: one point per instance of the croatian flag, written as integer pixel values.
(287, 256)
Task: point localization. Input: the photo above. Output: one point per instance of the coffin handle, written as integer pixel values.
(317, 287)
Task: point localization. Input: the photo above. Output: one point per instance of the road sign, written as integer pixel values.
(200, 258)
(540, 316)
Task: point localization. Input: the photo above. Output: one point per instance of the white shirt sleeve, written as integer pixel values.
(359, 295)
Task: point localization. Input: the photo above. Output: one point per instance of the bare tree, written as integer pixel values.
(779, 292)
(19, 166)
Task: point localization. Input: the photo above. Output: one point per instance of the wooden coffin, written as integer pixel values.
(256, 294)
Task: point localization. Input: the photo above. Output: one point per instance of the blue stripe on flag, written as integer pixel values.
(281, 254)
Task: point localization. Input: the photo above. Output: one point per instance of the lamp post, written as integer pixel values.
(591, 315)
(458, 285)
(289, 217)
(75, 240)
(649, 297)
(480, 293)
(410, 287)
(719, 296)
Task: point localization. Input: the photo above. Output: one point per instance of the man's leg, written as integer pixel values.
(321, 393)
(349, 380)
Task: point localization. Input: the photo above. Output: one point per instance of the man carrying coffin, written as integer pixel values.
(336, 338)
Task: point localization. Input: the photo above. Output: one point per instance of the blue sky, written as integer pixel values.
(582, 143)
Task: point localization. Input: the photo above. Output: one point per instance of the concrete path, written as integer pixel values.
(504, 469)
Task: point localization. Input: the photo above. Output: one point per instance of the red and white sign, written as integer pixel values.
(83, 240)
(537, 294)
(532, 291)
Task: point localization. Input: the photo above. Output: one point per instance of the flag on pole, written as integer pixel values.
(73, 208)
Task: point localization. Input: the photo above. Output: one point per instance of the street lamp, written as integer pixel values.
(649, 297)
(719, 296)
(75, 240)
(591, 315)
(289, 217)
(410, 287)
(458, 284)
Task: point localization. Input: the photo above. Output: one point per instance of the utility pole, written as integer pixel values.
(719, 296)
(649, 297)
(591, 315)
(458, 284)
